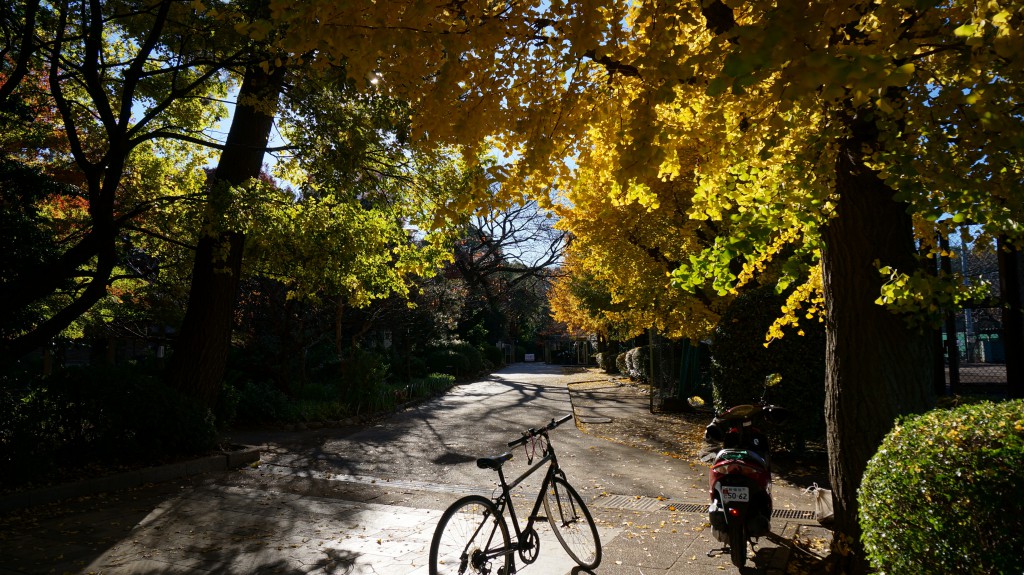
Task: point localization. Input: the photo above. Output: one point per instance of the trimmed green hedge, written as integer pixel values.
(943, 494)
(86, 415)
(459, 358)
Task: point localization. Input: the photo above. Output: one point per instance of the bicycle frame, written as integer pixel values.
(505, 499)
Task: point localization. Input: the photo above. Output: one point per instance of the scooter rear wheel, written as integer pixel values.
(737, 544)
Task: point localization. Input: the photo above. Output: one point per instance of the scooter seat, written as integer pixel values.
(741, 455)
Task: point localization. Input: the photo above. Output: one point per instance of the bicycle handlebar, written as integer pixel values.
(535, 432)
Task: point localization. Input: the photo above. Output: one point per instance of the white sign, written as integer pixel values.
(529, 357)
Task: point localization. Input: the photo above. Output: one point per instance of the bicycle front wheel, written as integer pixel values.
(471, 537)
(573, 525)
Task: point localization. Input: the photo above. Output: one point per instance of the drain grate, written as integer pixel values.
(792, 514)
(634, 503)
(630, 502)
(637, 503)
(687, 507)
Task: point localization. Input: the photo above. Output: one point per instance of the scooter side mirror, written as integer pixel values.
(775, 414)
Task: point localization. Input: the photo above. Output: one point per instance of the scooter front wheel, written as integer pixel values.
(737, 544)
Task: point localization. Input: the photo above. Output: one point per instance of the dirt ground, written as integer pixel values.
(681, 435)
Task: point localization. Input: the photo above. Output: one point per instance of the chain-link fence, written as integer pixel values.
(973, 339)
(679, 371)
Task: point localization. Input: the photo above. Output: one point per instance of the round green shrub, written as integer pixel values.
(620, 364)
(416, 367)
(943, 493)
(474, 358)
(638, 364)
(606, 362)
(458, 358)
(631, 364)
(447, 360)
(260, 402)
(364, 368)
(641, 365)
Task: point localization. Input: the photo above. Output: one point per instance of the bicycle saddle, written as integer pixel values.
(495, 462)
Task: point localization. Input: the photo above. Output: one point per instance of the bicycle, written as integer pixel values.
(472, 533)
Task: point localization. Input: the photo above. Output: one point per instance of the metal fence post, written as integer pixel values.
(1013, 321)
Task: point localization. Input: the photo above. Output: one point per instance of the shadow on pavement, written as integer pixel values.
(166, 528)
(181, 526)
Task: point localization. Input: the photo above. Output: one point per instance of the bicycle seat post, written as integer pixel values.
(501, 479)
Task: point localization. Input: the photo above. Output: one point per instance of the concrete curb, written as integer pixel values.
(222, 461)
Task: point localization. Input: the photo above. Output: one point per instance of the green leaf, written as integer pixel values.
(718, 86)
(735, 66)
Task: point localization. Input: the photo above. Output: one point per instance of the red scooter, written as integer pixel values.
(740, 478)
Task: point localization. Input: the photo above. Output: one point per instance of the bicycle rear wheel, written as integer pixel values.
(471, 537)
(573, 525)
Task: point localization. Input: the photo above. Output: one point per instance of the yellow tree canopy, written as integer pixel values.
(580, 302)
(629, 238)
(760, 92)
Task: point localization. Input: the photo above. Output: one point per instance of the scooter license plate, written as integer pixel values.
(740, 494)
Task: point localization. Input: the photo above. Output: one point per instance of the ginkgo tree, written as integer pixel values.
(833, 140)
(628, 239)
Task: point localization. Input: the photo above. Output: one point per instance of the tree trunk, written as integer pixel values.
(201, 353)
(339, 328)
(877, 367)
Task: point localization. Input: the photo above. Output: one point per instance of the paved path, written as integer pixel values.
(366, 501)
